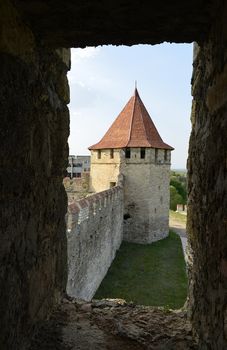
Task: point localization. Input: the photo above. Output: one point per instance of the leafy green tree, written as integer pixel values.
(178, 189)
(181, 189)
(175, 198)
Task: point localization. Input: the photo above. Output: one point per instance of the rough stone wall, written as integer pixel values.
(33, 201)
(146, 196)
(34, 131)
(77, 24)
(105, 169)
(207, 185)
(95, 227)
(77, 187)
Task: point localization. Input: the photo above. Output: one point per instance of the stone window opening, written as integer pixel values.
(156, 155)
(142, 153)
(206, 322)
(165, 155)
(127, 216)
(127, 153)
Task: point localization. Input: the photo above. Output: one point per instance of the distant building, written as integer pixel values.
(78, 165)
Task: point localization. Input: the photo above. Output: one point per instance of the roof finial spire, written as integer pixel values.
(136, 92)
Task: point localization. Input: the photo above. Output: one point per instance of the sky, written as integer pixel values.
(103, 79)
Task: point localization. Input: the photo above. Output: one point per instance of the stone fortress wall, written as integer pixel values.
(146, 196)
(104, 168)
(95, 232)
(34, 120)
(35, 127)
(136, 211)
(146, 189)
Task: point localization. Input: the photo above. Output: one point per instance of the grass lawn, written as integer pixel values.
(152, 274)
(182, 218)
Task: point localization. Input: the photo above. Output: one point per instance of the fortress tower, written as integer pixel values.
(133, 147)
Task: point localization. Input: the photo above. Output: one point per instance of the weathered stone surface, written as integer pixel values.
(34, 131)
(16, 38)
(74, 23)
(95, 232)
(114, 324)
(105, 169)
(146, 196)
(146, 190)
(207, 187)
(34, 128)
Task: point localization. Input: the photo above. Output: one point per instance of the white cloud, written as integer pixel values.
(83, 63)
(80, 54)
(102, 79)
(80, 83)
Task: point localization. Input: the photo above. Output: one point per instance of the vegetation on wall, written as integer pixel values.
(178, 189)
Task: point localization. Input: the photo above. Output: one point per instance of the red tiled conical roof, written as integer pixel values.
(132, 128)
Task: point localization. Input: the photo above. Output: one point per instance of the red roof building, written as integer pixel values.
(132, 128)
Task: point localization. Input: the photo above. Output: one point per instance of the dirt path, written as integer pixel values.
(180, 228)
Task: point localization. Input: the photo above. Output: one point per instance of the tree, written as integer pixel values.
(180, 187)
(175, 198)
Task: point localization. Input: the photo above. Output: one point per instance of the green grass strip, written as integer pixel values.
(152, 274)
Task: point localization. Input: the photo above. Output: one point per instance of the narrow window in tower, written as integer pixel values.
(99, 153)
(111, 153)
(127, 153)
(165, 155)
(156, 155)
(142, 153)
